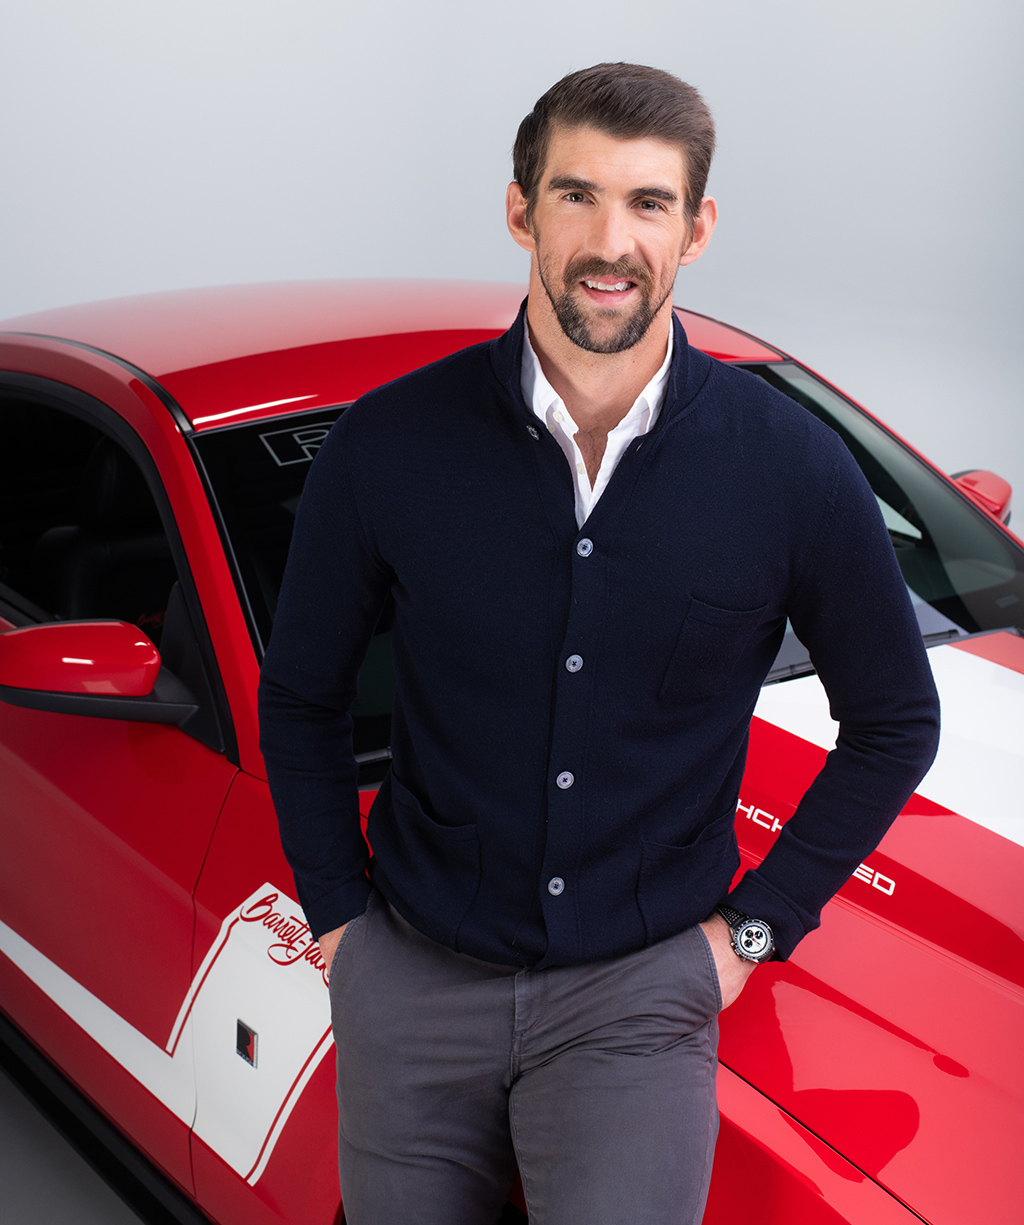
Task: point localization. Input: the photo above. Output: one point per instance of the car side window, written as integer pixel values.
(80, 533)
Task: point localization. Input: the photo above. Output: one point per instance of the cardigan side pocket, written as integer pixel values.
(681, 885)
(419, 858)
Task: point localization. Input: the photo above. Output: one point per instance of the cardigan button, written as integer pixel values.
(574, 663)
(556, 886)
(533, 431)
(584, 547)
(565, 780)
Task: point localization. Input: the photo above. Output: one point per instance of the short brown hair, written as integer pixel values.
(630, 101)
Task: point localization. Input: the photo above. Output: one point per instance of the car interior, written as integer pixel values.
(81, 539)
(81, 536)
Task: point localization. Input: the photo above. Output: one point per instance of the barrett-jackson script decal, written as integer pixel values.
(295, 943)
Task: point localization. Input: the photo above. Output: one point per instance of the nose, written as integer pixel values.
(610, 236)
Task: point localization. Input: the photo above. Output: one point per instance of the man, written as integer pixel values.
(530, 967)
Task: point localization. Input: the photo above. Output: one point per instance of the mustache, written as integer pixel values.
(585, 268)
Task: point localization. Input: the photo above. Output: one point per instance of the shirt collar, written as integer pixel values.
(541, 397)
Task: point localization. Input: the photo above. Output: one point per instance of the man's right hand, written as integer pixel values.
(329, 945)
(733, 970)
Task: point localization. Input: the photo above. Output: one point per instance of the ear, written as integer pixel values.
(515, 211)
(703, 227)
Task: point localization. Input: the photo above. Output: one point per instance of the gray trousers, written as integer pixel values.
(598, 1079)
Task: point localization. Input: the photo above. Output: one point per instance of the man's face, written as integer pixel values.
(608, 231)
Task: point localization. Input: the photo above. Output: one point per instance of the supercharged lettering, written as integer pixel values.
(865, 872)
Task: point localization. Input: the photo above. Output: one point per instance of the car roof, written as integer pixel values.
(242, 352)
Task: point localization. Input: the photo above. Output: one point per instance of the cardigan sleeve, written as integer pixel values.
(851, 609)
(332, 594)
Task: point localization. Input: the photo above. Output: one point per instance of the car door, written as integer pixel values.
(104, 822)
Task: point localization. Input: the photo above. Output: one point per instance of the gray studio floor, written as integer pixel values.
(43, 1181)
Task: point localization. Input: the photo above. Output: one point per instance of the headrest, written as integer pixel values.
(113, 497)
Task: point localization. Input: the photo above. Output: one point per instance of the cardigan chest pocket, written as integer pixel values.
(710, 642)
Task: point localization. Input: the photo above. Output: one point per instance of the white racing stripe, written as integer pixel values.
(263, 969)
(168, 1077)
(979, 769)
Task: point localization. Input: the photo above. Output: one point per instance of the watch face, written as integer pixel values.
(754, 940)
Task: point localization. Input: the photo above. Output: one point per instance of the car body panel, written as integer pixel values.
(880, 1067)
(186, 330)
(299, 1185)
(314, 376)
(998, 648)
(772, 1170)
(115, 818)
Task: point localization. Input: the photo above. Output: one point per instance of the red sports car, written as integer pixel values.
(153, 452)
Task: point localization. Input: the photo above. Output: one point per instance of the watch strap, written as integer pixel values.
(732, 916)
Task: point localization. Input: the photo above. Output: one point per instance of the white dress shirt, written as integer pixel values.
(547, 405)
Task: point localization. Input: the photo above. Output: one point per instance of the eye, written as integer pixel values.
(650, 206)
(574, 197)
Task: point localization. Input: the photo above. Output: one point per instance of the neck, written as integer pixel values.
(597, 389)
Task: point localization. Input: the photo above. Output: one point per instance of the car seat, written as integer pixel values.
(115, 560)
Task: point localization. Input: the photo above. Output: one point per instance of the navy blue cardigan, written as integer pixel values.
(619, 779)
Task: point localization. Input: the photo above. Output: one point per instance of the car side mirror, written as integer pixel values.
(108, 669)
(987, 490)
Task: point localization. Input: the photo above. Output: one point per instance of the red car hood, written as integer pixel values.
(896, 1031)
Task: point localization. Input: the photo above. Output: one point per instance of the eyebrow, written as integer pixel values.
(568, 182)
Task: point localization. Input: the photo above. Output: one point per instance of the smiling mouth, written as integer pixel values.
(610, 287)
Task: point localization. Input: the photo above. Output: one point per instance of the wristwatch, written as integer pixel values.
(752, 939)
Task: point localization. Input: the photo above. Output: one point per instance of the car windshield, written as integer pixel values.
(255, 475)
(964, 575)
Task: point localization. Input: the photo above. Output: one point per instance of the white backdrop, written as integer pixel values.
(869, 172)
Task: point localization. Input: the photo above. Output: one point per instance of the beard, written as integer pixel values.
(570, 313)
